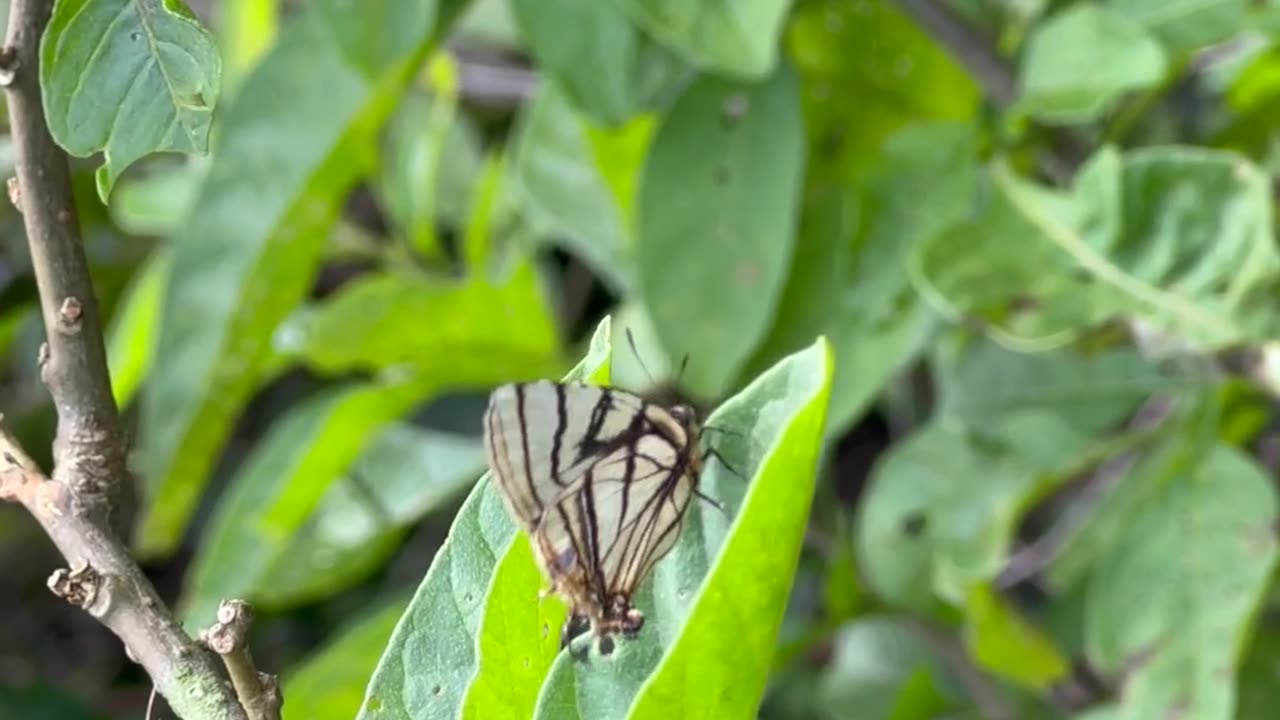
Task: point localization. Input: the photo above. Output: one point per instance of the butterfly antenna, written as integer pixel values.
(631, 340)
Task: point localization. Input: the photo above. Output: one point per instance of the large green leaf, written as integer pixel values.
(563, 184)
(431, 160)
(1080, 61)
(848, 278)
(1188, 25)
(606, 67)
(297, 137)
(329, 684)
(1041, 267)
(131, 335)
(408, 319)
(944, 504)
(1181, 585)
(731, 623)
(732, 37)
(405, 473)
(428, 666)
(866, 70)
(149, 62)
(716, 221)
(714, 606)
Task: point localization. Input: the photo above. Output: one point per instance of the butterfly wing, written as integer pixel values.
(541, 438)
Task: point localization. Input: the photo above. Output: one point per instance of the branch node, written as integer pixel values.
(258, 692)
(15, 193)
(9, 64)
(69, 314)
(78, 586)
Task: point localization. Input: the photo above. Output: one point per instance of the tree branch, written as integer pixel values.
(259, 692)
(90, 478)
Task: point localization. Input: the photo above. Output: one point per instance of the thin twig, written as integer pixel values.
(259, 692)
(84, 505)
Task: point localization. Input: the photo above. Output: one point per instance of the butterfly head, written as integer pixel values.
(686, 416)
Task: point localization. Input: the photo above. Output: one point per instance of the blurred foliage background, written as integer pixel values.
(1038, 234)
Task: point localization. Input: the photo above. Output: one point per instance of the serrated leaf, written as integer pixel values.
(149, 61)
(297, 137)
(1081, 60)
(730, 37)
(329, 683)
(428, 666)
(716, 221)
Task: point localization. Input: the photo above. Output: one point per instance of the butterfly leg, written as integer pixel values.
(574, 625)
(712, 452)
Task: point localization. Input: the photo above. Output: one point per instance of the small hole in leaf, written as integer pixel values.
(526, 663)
(436, 689)
(466, 597)
(134, 36)
(914, 524)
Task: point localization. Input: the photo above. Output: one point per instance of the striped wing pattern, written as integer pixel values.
(600, 479)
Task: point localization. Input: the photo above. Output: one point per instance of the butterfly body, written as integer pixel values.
(600, 479)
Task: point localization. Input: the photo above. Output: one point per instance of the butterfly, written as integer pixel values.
(600, 479)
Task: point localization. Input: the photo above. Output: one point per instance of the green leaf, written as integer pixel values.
(149, 61)
(714, 606)
(329, 683)
(410, 320)
(1081, 60)
(428, 666)
(297, 137)
(1041, 267)
(848, 277)
(564, 187)
(944, 504)
(866, 71)
(158, 202)
(431, 159)
(716, 221)
(280, 485)
(246, 30)
(728, 636)
(1189, 25)
(131, 335)
(882, 665)
(1007, 645)
(606, 67)
(1182, 584)
(731, 37)
(405, 473)
(1257, 688)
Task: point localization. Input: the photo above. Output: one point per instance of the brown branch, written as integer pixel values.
(259, 692)
(90, 478)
